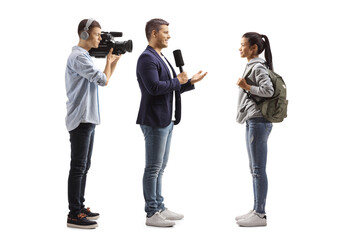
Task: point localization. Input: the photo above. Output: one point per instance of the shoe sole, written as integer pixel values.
(93, 218)
(154, 225)
(173, 219)
(82, 226)
(241, 225)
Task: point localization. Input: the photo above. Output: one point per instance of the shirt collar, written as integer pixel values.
(256, 60)
(80, 49)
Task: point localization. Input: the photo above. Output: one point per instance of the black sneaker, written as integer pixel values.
(90, 215)
(80, 221)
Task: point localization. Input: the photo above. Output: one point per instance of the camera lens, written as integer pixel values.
(126, 46)
(122, 47)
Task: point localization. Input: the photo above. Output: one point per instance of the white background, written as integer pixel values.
(312, 162)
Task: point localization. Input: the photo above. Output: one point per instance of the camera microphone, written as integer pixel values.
(116, 34)
(178, 59)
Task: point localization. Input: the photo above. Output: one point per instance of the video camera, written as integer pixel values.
(107, 42)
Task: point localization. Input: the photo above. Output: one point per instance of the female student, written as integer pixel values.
(256, 86)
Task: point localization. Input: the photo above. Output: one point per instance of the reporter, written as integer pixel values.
(160, 110)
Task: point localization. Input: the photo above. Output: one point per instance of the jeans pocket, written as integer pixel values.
(268, 127)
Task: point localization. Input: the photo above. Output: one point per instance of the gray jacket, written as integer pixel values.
(260, 86)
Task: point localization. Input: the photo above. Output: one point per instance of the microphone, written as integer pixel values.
(178, 59)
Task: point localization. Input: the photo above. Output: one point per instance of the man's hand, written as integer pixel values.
(183, 78)
(112, 57)
(197, 77)
(111, 61)
(242, 83)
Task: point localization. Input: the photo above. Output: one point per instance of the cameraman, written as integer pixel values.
(82, 79)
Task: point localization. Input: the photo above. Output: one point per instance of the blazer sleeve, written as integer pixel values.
(187, 87)
(149, 74)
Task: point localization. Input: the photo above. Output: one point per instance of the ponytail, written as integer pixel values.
(255, 38)
(268, 55)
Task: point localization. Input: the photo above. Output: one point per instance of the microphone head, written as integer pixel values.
(178, 58)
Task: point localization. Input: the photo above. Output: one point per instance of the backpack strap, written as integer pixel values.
(249, 95)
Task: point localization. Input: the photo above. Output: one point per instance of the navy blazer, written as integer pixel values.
(157, 88)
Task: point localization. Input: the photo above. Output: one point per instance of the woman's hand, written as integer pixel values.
(242, 83)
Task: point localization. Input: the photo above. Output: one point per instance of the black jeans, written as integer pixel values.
(82, 140)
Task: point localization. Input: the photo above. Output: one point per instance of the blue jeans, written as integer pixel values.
(82, 141)
(157, 147)
(257, 133)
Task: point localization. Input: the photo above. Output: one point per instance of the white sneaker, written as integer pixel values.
(254, 220)
(244, 216)
(157, 220)
(169, 215)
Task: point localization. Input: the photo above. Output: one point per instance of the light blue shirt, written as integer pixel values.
(81, 81)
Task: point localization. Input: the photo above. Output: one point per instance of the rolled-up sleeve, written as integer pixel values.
(264, 86)
(85, 68)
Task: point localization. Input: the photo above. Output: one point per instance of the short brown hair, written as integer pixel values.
(82, 25)
(154, 24)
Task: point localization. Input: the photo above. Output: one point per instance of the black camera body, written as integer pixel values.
(107, 42)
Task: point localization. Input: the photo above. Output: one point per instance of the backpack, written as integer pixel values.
(274, 108)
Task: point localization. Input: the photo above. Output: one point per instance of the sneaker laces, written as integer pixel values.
(161, 216)
(82, 215)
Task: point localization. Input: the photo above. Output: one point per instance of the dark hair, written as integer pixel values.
(154, 24)
(82, 25)
(256, 38)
